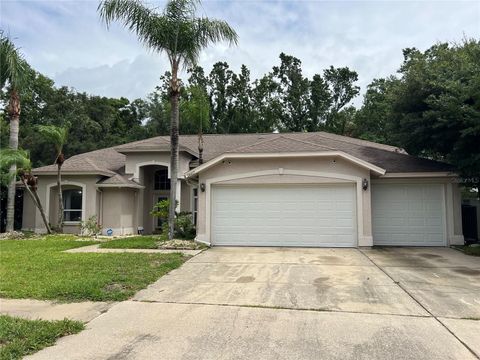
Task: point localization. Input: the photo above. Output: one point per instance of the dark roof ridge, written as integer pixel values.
(356, 141)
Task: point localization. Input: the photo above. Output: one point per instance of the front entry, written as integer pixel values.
(158, 222)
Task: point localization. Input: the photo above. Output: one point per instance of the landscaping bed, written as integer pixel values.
(152, 242)
(20, 337)
(42, 270)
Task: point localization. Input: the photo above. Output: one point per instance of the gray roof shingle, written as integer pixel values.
(110, 162)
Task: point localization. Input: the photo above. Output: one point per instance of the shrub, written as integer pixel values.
(184, 227)
(91, 227)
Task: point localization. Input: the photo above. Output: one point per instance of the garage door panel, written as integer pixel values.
(284, 215)
(408, 214)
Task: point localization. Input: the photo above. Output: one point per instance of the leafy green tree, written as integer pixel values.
(57, 136)
(433, 108)
(320, 103)
(219, 80)
(23, 166)
(373, 119)
(182, 36)
(341, 83)
(14, 72)
(293, 93)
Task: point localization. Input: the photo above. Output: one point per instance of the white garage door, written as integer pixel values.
(408, 214)
(309, 216)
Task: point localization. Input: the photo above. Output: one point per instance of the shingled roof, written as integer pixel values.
(110, 162)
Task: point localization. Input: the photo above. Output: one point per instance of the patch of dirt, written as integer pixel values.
(430, 256)
(245, 279)
(114, 287)
(467, 271)
(320, 280)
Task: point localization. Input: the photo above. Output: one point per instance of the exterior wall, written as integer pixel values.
(118, 214)
(453, 204)
(186, 197)
(287, 171)
(29, 213)
(46, 184)
(136, 160)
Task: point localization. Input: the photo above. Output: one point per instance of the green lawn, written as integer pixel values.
(470, 250)
(19, 337)
(38, 269)
(135, 242)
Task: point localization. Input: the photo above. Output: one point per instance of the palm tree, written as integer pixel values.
(21, 160)
(57, 135)
(13, 72)
(177, 32)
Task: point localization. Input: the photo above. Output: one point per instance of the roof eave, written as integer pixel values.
(103, 173)
(214, 161)
(419, 174)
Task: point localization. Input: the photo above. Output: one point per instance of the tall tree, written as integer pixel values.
(14, 72)
(341, 82)
(57, 136)
(182, 36)
(293, 92)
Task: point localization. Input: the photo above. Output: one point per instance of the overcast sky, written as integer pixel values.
(66, 41)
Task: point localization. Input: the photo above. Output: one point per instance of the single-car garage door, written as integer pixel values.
(408, 214)
(273, 215)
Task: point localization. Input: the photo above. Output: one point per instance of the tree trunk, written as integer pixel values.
(174, 98)
(38, 204)
(60, 198)
(14, 112)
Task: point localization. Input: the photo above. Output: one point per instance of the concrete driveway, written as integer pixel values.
(271, 303)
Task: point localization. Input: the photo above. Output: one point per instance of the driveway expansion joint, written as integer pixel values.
(279, 308)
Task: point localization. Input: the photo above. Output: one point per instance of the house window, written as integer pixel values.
(72, 205)
(161, 181)
(195, 206)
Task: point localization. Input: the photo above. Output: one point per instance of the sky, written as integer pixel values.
(66, 40)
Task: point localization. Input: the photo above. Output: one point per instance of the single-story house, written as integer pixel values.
(288, 189)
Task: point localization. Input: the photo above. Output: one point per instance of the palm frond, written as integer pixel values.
(57, 135)
(10, 157)
(13, 67)
(176, 30)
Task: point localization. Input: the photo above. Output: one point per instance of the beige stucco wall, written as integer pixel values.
(453, 203)
(50, 203)
(118, 210)
(28, 214)
(134, 161)
(289, 171)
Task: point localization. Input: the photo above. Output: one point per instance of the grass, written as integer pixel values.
(39, 269)
(135, 242)
(469, 250)
(20, 337)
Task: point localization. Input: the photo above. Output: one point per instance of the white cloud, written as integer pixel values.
(66, 40)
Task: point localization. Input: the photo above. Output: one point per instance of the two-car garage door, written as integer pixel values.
(284, 215)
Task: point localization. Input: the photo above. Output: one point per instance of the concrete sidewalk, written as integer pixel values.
(136, 330)
(49, 310)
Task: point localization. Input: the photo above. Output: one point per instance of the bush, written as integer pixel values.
(91, 227)
(184, 227)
